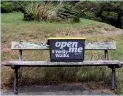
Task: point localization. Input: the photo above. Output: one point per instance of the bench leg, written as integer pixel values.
(113, 78)
(15, 80)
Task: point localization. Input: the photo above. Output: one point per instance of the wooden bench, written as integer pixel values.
(104, 46)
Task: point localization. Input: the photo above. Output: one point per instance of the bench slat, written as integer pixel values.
(28, 45)
(50, 64)
(39, 45)
(100, 46)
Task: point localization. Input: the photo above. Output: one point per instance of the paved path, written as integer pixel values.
(61, 89)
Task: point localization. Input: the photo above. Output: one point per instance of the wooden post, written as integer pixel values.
(106, 55)
(20, 55)
(113, 71)
(16, 80)
(16, 74)
(113, 78)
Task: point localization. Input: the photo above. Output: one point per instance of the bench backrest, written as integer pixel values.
(44, 46)
(105, 46)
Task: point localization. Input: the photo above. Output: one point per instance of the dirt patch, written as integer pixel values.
(60, 89)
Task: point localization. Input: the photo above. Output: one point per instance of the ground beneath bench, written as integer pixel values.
(61, 89)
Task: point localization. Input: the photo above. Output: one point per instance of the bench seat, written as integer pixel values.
(55, 64)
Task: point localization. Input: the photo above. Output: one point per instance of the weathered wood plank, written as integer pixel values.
(121, 62)
(50, 64)
(100, 45)
(28, 45)
(39, 45)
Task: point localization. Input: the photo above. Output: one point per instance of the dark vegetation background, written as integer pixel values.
(110, 12)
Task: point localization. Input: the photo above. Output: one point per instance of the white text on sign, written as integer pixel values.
(72, 47)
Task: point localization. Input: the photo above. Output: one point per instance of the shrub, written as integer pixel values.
(6, 7)
(91, 15)
(18, 5)
(110, 15)
(42, 12)
(46, 12)
(122, 21)
(68, 12)
(36, 11)
(110, 12)
(85, 6)
(30, 11)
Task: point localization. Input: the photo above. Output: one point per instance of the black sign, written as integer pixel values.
(63, 50)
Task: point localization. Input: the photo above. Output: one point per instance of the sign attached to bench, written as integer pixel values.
(66, 49)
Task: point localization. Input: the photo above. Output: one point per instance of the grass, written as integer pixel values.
(23, 30)
(15, 29)
(16, 18)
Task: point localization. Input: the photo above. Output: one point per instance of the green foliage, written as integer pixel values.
(30, 11)
(6, 7)
(37, 11)
(110, 15)
(19, 5)
(91, 15)
(110, 12)
(46, 12)
(122, 21)
(83, 7)
(10, 6)
(67, 12)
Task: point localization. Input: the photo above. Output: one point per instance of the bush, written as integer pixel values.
(18, 5)
(46, 12)
(110, 15)
(36, 11)
(90, 15)
(67, 12)
(110, 12)
(122, 21)
(6, 7)
(30, 11)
